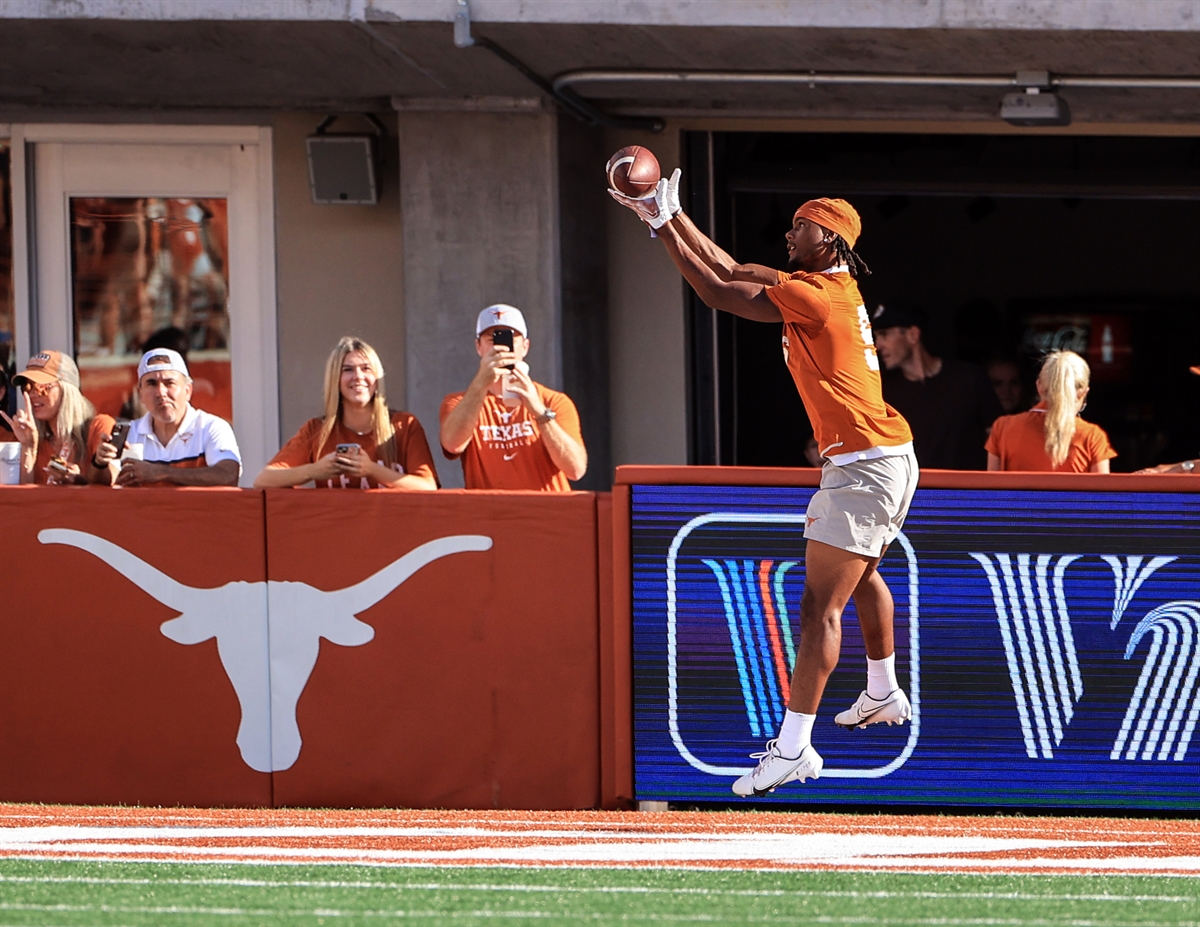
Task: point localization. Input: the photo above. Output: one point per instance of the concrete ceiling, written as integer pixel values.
(59, 65)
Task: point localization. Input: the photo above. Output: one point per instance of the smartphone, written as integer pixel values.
(57, 466)
(503, 338)
(348, 448)
(119, 433)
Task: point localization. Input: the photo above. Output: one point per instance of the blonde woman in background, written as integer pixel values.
(58, 428)
(359, 443)
(1051, 435)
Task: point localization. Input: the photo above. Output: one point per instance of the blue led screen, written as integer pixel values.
(1049, 642)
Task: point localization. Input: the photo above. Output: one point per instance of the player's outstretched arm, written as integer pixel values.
(717, 258)
(748, 300)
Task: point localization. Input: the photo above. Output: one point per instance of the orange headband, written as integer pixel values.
(835, 215)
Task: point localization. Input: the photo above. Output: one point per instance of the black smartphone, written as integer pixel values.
(503, 338)
(346, 449)
(119, 433)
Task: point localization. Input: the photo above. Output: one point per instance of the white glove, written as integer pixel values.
(657, 207)
(666, 199)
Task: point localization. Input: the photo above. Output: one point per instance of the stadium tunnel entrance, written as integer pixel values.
(1012, 243)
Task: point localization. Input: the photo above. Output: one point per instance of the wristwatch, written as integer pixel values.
(546, 417)
(1188, 466)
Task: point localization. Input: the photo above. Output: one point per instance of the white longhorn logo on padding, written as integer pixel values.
(266, 624)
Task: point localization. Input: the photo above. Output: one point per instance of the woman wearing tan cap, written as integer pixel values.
(57, 427)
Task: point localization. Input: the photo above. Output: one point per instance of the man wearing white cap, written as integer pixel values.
(181, 445)
(511, 432)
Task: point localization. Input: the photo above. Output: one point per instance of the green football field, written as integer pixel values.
(100, 893)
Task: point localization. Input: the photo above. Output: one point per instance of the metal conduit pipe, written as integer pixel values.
(813, 78)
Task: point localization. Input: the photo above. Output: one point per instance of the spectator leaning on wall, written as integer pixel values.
(359, 443)
(57, 427)
(511, 432)
(181, 445)
(1051, 436)
(949, 404)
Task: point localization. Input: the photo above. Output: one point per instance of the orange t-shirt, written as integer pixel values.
(1020, 443)
(506, 449)
(100, 427)
(830, 352)
(412, 450)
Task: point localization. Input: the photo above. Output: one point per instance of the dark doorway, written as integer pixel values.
(1012, 244)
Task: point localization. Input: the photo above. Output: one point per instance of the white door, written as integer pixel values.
(160, 236)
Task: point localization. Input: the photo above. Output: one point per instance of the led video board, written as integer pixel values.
(1049, 642)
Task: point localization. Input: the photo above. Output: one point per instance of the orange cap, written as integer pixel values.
(835, 215)
(48, 367)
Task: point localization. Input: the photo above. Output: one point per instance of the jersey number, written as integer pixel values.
(864, 326)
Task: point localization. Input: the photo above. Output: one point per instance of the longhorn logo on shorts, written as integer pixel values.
(268, 633)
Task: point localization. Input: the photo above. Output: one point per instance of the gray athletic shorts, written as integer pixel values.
(861, 506)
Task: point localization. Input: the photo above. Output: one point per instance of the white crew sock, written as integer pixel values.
(796, 733)
(881, 677)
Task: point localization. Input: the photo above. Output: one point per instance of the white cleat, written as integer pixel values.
(774, 769)
(894, 709)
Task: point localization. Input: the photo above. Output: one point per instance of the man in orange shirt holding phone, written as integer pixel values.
(510, 431)
(870, 471)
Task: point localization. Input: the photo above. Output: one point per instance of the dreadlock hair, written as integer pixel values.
(844, 254)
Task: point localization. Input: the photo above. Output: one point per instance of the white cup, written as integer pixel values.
(10, 463)
(132, 452)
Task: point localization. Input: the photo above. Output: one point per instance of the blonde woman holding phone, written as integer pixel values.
(359, 443)
(1051, 436)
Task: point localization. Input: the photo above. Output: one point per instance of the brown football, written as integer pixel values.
(633, 171)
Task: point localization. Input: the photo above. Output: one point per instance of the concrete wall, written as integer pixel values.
(583, 204)
(648, 350)
(339, 272)
(479, 201)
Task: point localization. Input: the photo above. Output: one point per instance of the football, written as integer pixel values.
(633, 171)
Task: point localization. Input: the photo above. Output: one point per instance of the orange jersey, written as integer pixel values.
(830, 352)
(506, 449)
(412, 450)
(1020, 443)
(99, 428)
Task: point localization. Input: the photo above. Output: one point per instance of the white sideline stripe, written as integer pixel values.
(871, 865)
(69, 832)
(589, 890)
(853, 849)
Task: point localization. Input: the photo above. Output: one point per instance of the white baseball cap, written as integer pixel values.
(162, 359)
(501, 314)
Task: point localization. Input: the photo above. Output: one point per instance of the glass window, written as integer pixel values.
(150, 272)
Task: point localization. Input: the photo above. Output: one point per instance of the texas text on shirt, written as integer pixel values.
(412, 450)
(829, 349)
(202, 440)
(506, 449)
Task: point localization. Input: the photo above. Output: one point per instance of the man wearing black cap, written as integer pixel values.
(949, 404)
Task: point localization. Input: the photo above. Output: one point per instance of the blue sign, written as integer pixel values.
(1049, 643)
